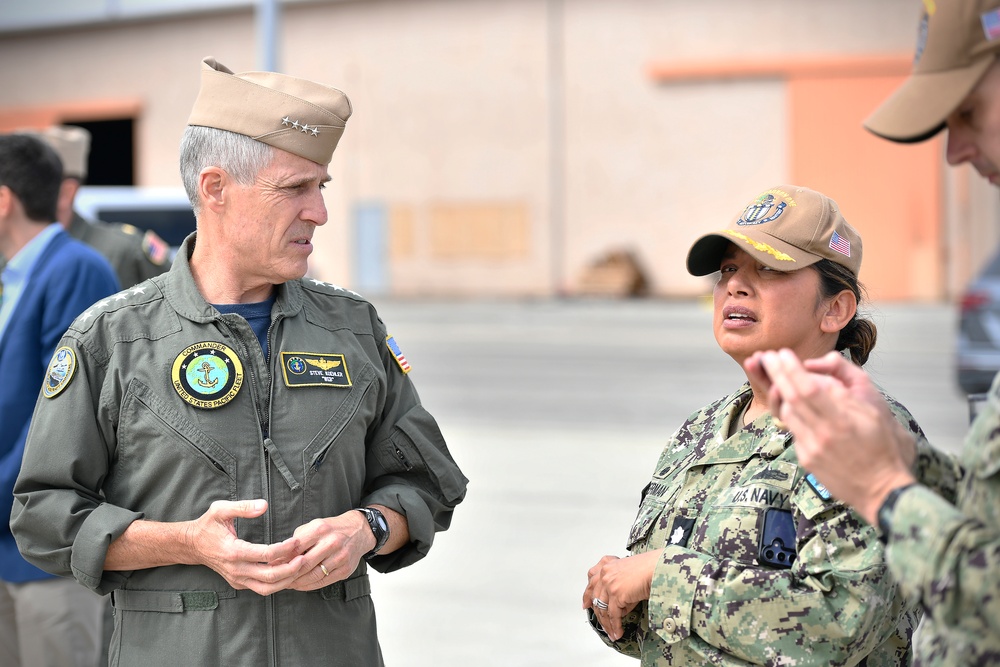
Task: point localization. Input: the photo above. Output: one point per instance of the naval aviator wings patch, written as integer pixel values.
(314, 369)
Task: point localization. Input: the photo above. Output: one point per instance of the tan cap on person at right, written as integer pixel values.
(787, 228)
(72, 143)
(957, 42)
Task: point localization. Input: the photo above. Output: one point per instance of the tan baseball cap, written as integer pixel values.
(957, 42)
(72, 143)
(786, 228)
(295, 115)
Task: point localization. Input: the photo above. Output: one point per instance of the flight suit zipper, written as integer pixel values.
(265, 431)
(263, 426)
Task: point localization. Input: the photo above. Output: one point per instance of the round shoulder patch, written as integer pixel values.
(207, 374)
(60, 372)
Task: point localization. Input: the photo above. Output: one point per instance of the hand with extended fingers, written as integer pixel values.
(844, 431)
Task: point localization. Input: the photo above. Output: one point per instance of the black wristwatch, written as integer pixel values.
(885, 512)
(379, 526)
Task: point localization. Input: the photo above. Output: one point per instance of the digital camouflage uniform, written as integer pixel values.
(165, 405)
(713, 602)
(135, 255)
(948, 557)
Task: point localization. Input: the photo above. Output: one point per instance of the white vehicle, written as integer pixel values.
(166, 211)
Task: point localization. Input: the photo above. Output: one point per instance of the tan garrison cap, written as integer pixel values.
(785, 228)
(295, 115)
(71, 143)
(957, 42)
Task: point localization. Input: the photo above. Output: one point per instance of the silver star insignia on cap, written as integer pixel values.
(301, 127)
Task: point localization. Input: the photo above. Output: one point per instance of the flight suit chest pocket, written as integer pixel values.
(343, 419)
(164, 463)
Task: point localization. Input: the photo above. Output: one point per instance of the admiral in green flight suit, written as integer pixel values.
(226, 447)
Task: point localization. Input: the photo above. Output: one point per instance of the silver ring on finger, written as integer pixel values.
(600, 604)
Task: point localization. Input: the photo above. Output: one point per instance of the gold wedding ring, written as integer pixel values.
(326, 573)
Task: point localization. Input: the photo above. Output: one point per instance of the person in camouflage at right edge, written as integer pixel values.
(945, 556)
(738, 557)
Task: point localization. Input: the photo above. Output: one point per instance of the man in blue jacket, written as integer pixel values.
(49, 278)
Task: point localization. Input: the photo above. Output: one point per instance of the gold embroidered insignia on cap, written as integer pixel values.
(756, 213)
(314, 369)
(60, 372)
(763, 247)
(207, 374)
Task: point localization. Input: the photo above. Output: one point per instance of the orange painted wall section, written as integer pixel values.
(890, 192)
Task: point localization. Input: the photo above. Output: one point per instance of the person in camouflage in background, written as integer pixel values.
(946, 557)
(738, 557)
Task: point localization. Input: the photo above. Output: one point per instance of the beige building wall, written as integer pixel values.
(508, 143)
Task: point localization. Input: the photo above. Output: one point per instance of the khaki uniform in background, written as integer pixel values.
(135, 255)
(713, 602)
(330, 423)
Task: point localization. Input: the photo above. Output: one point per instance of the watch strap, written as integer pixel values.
(885, 512)
(379, 527)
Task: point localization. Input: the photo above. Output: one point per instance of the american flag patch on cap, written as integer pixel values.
(393, 346)
(840, 244)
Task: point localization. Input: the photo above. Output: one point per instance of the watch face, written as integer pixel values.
(379, 526)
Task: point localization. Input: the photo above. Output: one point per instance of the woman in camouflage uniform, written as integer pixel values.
(738, 556)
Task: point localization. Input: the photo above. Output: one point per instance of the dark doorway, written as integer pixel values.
(111, 159)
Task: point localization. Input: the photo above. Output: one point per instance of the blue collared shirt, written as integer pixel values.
(18, 271)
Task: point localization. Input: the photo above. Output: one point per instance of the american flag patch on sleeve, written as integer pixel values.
(393, 346)
(840, 244)
(991, 24)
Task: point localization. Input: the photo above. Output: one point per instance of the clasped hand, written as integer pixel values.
(318, 553)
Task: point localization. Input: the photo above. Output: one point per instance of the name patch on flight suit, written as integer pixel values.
(207, 374)
(313, 369)
(59, 373)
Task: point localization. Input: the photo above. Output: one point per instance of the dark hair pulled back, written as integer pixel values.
(858, 337)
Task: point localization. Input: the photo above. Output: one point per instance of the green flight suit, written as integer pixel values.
(170, 405)
(713, 600)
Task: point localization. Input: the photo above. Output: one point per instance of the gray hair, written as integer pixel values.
(239, 155)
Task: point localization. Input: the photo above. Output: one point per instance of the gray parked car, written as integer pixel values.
(978, 350)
